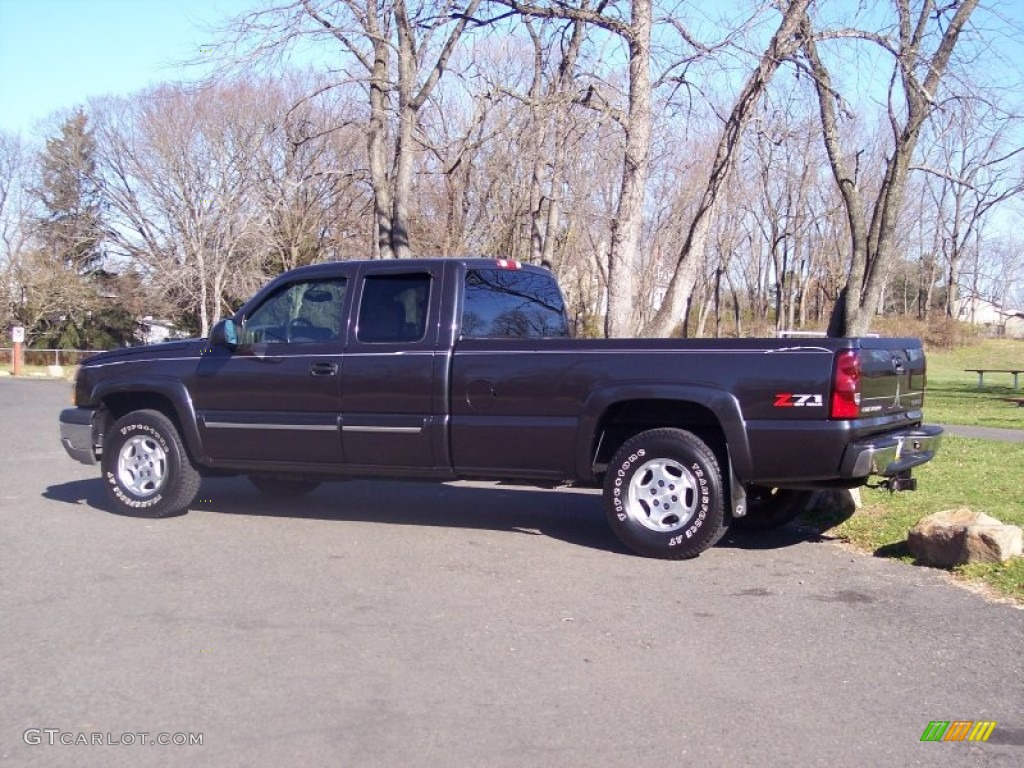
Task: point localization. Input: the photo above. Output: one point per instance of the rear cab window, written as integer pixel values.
(503, 303)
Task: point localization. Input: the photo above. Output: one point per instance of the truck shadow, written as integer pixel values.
(574, 516)
(786, 536)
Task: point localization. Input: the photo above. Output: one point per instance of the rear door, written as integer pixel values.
(393, 397)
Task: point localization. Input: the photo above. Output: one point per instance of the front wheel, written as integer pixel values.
(146, 469)
(663, 493)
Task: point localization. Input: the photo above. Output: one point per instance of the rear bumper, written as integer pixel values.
(891, 453)
(77, 435)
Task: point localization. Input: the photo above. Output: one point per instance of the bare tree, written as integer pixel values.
(397, 52)
(914, 91)
(635, 122)
(178, 174)
(783, 44)
(972, 170)
(308, 183)
(14, 222)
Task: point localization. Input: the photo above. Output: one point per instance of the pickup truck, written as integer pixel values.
(445, 369)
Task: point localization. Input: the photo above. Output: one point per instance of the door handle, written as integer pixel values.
(323, 369)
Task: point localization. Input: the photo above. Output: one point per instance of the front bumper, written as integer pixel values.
(892, 453)
(77, 434)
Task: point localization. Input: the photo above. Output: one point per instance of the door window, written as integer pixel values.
(394, 308)
(304, 312)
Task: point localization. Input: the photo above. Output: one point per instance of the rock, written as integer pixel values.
(842, 500)
(958, 536)
(994, 544)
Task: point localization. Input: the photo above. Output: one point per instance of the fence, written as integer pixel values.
(44, 357)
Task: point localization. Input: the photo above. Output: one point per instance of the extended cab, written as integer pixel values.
(464, 368)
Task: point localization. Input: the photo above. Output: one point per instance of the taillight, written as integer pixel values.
(846, 385)
(508, 264)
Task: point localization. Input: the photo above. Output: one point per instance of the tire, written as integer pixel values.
(283, 487)
(146, 470)
(769, 508)
(663, 493)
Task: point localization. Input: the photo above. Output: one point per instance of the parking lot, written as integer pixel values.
(408, 624)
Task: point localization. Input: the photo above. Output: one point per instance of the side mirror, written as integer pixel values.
(224, 334)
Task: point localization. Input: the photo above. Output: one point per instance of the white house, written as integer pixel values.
(1000, 321)
(153, 331)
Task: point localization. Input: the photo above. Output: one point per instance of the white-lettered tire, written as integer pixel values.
(663, 492)
(769, 508)
(283, 487)
(146, 470)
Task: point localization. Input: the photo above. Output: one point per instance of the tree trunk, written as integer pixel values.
(376, 138)
(872, 243)
(677, 298)
(628, 222)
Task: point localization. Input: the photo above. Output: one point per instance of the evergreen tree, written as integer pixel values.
(71, 227)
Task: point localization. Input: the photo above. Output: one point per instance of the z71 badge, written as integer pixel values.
(789, 400)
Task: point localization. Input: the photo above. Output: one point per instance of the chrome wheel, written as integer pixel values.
(142, 466)
(662, 496)
(663, 491)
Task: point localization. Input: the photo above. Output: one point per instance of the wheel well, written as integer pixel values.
(624, 420)
(118, 404)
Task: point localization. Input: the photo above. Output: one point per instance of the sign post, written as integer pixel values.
(18, 337)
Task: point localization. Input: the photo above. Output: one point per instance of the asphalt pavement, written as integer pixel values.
(469, 624)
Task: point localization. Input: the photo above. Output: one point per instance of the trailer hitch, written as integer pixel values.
(901, 481)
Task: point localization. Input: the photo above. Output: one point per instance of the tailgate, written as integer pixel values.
(892, 376)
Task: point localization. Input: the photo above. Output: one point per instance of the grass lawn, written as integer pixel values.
(980, 474)
(953, 395)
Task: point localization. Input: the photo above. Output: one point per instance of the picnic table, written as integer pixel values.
(982, 371)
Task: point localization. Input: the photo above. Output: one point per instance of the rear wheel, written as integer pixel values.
(663, 493)
(146, 468)
(769, 508)
(283, 487)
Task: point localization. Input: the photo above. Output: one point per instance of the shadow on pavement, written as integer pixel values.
(572, 516)
(89, 492)
(576, 517)
(777, 538)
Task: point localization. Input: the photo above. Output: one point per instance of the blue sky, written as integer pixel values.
(55, 54)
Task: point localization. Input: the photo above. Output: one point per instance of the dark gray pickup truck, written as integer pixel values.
(463, 368)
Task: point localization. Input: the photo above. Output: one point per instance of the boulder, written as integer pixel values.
(842, 500)
(958, 536)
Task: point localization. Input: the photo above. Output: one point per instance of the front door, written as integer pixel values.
(276, 398)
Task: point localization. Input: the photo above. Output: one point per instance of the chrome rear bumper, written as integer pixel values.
(892, 453)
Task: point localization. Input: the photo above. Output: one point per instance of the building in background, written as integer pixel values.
(1000, 322)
